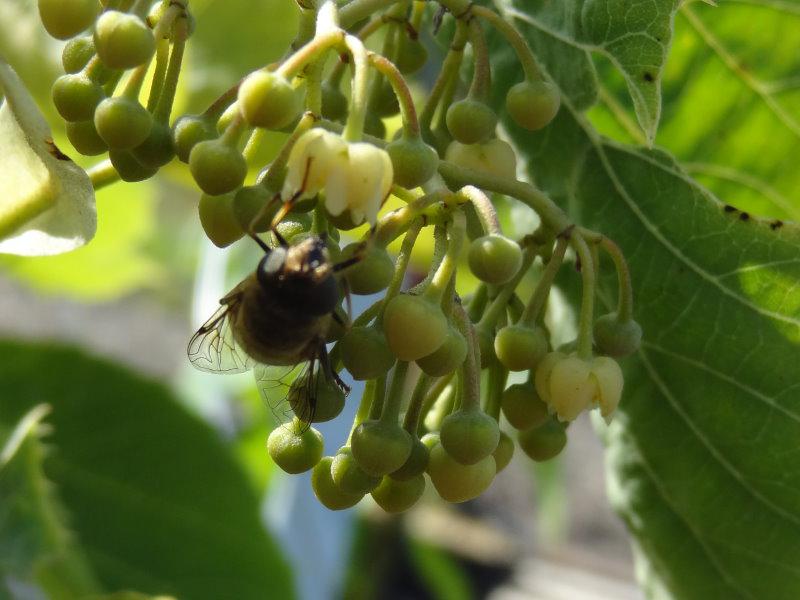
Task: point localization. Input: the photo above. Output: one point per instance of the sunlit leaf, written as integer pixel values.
(633, 36)
(731, 102)
(48, 201)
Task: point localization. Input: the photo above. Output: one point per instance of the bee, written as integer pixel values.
(276, 322)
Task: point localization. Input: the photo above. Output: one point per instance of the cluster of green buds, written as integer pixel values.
(435, 358)
(99, 95)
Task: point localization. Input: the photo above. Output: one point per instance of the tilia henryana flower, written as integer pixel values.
(570, 385)
(355, 176)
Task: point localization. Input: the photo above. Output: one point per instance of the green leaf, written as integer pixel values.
(36, 547)
(730, 103)
(633, 36)
(48, 201)
(703, 452)
(155, 499)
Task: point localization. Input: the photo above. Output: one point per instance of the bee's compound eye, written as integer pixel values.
(271, 266)
(272, 263)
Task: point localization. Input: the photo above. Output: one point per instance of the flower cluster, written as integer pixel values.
(441, 400)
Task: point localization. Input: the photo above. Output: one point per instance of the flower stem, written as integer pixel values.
(396, 222)
(364, 407)
(483, 207)
(470, 368)
(394, 399)
(102, 174)
(585, 321)
(447, 268)
(412, 417)
(513, 37)
(354, 126)
(407, 110)
(170, 86)
(482, 75)
(378, 398)
(310, 51)
(160, 70)
(542, 291)
(625, 301)
(552, 216)
(498, 305)
(495, 384)
(448, 71)
(403, 258)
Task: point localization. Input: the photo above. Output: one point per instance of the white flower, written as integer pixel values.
(569, 384)
(314, 155)
(361, 185)
(356, 177)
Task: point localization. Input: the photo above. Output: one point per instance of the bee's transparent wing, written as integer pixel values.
(213, 348)
(275, 385)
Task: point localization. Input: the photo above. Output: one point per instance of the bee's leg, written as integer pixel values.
(289, 204)
(359, 253)
(349, 301)
(260, 242)
(327, 368)
(251, 228)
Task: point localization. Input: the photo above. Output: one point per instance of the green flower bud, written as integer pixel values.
(365, 353)
(122, 40)
(414, 326)
(295, 450)
(470, 121)
(494, 258)
(520, 348)
(217, 167)
(123, 123)
(469, 436)
(543, 442)
(395, 496)
(218, 221)
(533, 104)
(457, 482)
(414, 161)
(380, 447)
(617, 338)
(326, 490)
(268, 100)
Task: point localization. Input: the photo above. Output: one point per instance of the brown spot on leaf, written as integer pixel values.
(744, 216)
(648, 76)
(777, 224)
(728, 208)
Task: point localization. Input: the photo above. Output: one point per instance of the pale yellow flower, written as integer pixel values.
(313, 157)
(569, 385)
(355, 177)
(362, 185)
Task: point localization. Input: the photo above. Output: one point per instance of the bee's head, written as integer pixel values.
(302, 275)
